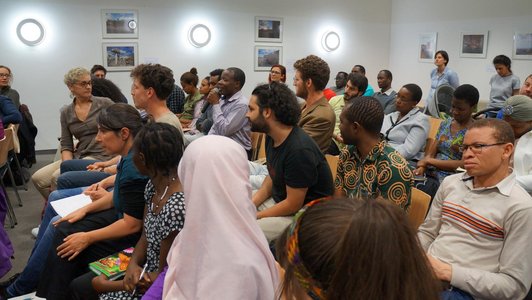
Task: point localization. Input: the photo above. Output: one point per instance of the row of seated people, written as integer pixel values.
(317, 181)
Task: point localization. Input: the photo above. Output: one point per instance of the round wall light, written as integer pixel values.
(30, 32)
(199, 35)
(330, 41)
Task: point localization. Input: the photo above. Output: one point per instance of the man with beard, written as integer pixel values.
(386, 95)
(317, 117)
(229, 108)
(298, 171)
(356, 86)
(362, 71)
(368, 166)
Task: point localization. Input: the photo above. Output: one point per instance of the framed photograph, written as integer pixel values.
(268, 29)
(120, 56)
(267, 56)
(474, 44)
(427, 46)
(120, 24)
(522, 45)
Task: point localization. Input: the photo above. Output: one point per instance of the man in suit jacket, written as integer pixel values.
(317, 117)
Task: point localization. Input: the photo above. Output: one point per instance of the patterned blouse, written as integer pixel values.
(157, 227)
(384, 172)
(448, 146)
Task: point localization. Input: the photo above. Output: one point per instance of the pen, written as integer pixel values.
(140, 277)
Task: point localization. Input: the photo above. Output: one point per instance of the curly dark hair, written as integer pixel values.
(162, 146)
(358, 80)
(281, 100)
(102, 87)
(157, 76)
(367, 112)
(315, 68)
(468, 93)
(416, 91)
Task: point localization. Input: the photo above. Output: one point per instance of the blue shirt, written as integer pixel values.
(176, 100)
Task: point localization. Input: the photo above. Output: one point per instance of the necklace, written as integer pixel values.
(162, 196)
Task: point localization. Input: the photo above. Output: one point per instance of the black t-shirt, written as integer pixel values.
(298, 163)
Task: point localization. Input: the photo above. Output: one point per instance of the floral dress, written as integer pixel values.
(157, 227)
(448, 147)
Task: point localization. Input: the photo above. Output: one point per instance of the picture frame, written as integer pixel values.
(474, 44)
(269, 29)
(267, 56)
(522, 45)
(120, 56)
(120, 24)
(427, 46)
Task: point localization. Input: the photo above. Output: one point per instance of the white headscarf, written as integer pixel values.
(221, 253)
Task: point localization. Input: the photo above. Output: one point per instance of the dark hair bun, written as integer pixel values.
(194, 71)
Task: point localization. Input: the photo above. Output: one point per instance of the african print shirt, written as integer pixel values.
(384, 172)
(448, 146)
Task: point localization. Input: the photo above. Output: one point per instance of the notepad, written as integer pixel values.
(67, 205)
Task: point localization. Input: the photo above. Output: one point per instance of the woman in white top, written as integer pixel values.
(504, 84)
(407, 129)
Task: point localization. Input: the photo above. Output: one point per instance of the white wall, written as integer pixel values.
(448, 19)
(74, 38)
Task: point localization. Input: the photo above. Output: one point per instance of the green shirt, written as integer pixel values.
(188, 108)
(384, 172)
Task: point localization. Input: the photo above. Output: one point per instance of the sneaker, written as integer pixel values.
(35, 231)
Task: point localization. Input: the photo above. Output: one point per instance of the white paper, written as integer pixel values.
(30, 296)
(67, 205)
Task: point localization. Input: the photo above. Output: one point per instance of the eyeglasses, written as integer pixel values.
(5, 75)
(84, 83)
(477, 148)
(275, 72)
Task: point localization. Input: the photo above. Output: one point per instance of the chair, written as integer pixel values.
(12, 130)
(258, 141)
(255, 144)
(4, 168)
(419, 206)
(440, 105)
(433, 131)
(332, 160)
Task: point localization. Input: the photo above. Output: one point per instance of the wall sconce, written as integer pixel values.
(30, 32)
(199, 35)
(330, 41)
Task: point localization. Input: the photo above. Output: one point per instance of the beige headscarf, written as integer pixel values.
(221, 253)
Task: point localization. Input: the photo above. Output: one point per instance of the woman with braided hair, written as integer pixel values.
(353, 249)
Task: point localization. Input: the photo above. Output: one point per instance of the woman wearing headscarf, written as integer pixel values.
(221, 253)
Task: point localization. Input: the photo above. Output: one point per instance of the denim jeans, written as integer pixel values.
(455, 294)
(74, 174)
(29, 278)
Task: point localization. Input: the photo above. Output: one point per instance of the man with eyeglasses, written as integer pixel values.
(479, 227)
